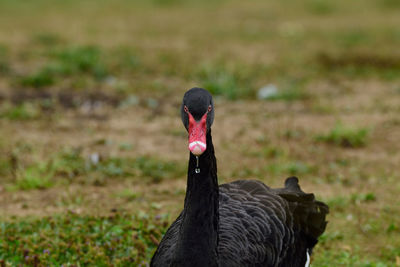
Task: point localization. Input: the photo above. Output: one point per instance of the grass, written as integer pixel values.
(24, 111)
(127, 194)
(346, 136)
(4, 64)
(345, 258)
(67, 62)
(222, 82)
(78, 60)
(360, 64)
(47, 39)
(319, 7)
(117, 239)
(389, 4)
(70, 166)
(34, 177)
(353, 38)
(42, 78)
(296, 168)
(89, 120)
(289, 95)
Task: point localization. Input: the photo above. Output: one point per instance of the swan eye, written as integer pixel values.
(209, 108)
(185, 109)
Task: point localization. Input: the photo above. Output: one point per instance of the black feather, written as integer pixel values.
(243, 223)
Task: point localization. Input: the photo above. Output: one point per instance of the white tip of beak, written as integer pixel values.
(197, 148)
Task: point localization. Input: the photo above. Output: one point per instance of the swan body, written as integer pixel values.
(242, 223)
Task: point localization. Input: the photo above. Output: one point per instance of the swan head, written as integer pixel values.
(197, 113)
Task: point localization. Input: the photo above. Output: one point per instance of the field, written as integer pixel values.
(93, 154)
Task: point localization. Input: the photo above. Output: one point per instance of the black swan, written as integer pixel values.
(243, 223)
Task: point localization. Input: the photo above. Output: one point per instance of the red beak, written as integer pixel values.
(197, 135)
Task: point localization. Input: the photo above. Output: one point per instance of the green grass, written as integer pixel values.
(117, 239)
(127, 194)
(70, 166)
(389, 4)
(41, 78)
(289, 90)
(345, 136)
(66, 62)
(221, 81)
(320, 7)
(353, 38)
(359, 64)
(47, 39)
(289, 95)
(4, 66)
(79, 60)
(279, 168)
(5, 166)
(4, 63)
(340, 203)
(125, 59)
(34, 177)
(24, 111)
(346, 258)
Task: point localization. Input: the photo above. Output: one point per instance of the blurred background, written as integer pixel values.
(93, 153)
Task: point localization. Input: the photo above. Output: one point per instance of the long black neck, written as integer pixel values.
(198, 236)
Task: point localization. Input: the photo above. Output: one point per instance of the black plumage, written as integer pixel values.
(243, 223)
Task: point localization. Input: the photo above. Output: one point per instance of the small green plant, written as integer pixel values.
(320, 7)
(368, 197)
(25, 111)
(34, 177)
(4, 61)
(352, 38)
(3, 50)
(42, 78)
(328, 237)
(345, 136)
(290, 168)
(68, 163)
(221, 82)
(392, 228)
(272, 152)
(6, 166)
(115, 167)
(158, 170)
(127, 194)
(4, 66)
(67, 62)
(126, 59)
(338, 203)
(78, 60)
